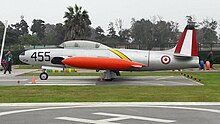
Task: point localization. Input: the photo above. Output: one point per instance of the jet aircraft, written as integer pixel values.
(93, 55)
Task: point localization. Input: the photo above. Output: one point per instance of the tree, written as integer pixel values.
(77, 23)
(207, 33)
(54, 34)
(142, 32)
(2, 27)
(99, 32)
(111, 38)
(153, 34)
(21, 27)
(60, 33)
(11, 36)
(17, 27)
(38, 28)
(50, 34)
(165, 32)
(175, 32)
(29, 39)
(111, 30)
(24, 27)
(118, 24)
(125, 35)
(209, 24)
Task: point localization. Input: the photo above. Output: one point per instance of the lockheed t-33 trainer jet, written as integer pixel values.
(93, 55)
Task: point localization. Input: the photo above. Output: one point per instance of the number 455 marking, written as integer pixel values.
(41, 56)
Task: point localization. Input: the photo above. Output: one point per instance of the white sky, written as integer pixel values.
(102, 12)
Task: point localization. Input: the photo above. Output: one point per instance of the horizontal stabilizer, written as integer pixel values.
(182, 55)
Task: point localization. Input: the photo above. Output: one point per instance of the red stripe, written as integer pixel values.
(194, 51)
(180, 42)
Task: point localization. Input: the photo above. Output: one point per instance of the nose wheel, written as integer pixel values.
(44, 76)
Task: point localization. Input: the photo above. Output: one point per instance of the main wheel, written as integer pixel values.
(43, 76)
(109, 79)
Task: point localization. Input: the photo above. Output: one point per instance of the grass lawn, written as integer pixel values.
(27, 67)
(210, 92)
(216, 66)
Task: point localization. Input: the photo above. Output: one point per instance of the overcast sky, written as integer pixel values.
(102, 12)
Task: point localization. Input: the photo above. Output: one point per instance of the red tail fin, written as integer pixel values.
(187, 44)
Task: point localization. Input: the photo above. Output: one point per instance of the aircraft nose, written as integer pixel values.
(22, 57)
(23, 53)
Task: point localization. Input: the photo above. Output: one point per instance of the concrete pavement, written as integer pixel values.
(110, 113)
(14, 79)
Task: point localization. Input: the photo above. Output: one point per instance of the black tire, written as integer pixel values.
(43, 76)
(109, 79)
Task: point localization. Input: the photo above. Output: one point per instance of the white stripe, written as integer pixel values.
(7, 80)
(61, 82)
(163, 78)
(103, 104)
(122, 117)
(187, 108)
(187, 44)
(30, 110)
(103, 121)
(84, 120)
(110, 104)
(57, 84)
(193, 81)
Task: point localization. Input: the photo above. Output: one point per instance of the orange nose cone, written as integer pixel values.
(64, 61)
(67, 61)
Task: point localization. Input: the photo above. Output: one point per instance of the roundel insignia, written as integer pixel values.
(165, 59)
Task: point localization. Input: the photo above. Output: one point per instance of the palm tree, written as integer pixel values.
(77, 23)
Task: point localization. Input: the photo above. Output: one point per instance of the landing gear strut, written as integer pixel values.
(110, 75)
(44, 75)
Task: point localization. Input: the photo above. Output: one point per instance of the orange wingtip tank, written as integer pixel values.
(101, 63)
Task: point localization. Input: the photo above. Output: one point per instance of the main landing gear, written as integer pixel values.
(44, 75)
(110, 75)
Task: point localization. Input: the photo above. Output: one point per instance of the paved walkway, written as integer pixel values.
(110, 113)
(16, 72)
(14, 78)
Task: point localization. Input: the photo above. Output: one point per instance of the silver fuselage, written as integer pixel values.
(151, 59)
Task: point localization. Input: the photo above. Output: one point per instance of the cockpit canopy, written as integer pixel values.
(83, 44)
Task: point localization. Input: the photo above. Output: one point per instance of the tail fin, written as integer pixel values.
(187, 44)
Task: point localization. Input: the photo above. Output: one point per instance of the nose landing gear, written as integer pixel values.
(44, 75)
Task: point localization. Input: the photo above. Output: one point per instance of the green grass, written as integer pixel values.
(210, 92)
(216, 66)
(28, 67)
